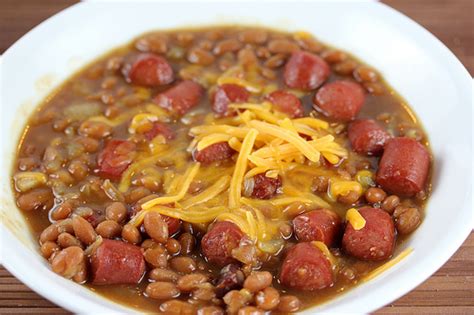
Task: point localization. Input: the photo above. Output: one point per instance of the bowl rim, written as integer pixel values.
(15, 262)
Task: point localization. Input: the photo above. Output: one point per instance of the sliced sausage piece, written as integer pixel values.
(215, 152)
(340, 100)
(159, 128)
(265, 187)
(305, 71)
(115, 158)
(321, 225)
(225, 95)
(305, 267)
(148, 69)
(367, 137)
(173, 224)
(180, 98)
(404, 167)
(375, 241)
(117, 262)
(218, 243)
(287, 103)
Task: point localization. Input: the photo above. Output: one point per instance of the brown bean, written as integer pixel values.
(346, 67)
(177, 307)
(263, 52)
(250, 310)
(275, 61)
(136, 194)
(267, 299)
(185, 38)
(286, 230)
(374, 88)
(406, 219)
(268, 73)
(67, 240)
(247, 57)
(390, 203)
(191, 281)
(253, 36)
(38, 198)
(365, 74)
(156, 256)
(289, 303)
(51, 233)
(226, 45)
(282, 46)
(48, 248)
(78, 169)
(183, 264)
(320, 184)
(258, 280)
(200, 56)
(334, 56)
(83, 230)
(173, 246)
(108, 229)
(187, 242)
(210, 310)
(374, 195)
(95, 129)
(349, 199)
(155, 227)
(204, 293)
(309, 43)
(68, 262)
(28, 163)
(131, 234)
(90, 145)
(148, 243)
(157, 43)
(63, 210)
(235, 300)
(162, 274)
(116, 211)
(162, 290)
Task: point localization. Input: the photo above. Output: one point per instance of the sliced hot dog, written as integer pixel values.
(340, 100)
(215, 152)
(265, 187)
(305, 267)
(375, 241)
(318, 225)
(305, 71)
(180, 98)
(367, 137)
(287, 103)
(404, 167)
(115, 158)
(218, 243)
(117, 262)
(148, 69)
(159, 128)
(225, 95)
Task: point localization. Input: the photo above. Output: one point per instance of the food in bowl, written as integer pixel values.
(223, 169)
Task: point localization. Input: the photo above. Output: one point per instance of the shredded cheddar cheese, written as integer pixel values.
(355, 219)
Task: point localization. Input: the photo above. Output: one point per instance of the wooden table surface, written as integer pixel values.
(449, 291)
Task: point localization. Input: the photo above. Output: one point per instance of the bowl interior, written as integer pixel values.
(417, 65)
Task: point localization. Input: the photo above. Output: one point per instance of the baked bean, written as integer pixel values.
(155, 227)
(250, 310)
(226, 61)
(28, 163)
(390, 203)
(48, 248)
(203, 293)
(90, 144)
(162, 290)
(334, 56)
(374, 195)
(406, 219)
(267, 299)
(258, 280)
(320, 184)
(51, 233)
(162, 274)
(185, 38)
(83, 230)
(268, 73)
(78, 169)
(200, 56)
(95, 129)
(68, 262)
(349, 199)
(235, 300)
(286, 230)
(227, 45)
(275, 61)
(374, 88)
(282, 46)
(263, 52)
(173, 246)
(108, 229)
(148, 243)
(183, 264)
(289, 303)
(63, 176)
(308, 43)
(155, 43)
(253, 36)
(116, 211)
(65, 226)
(247, 57)
(177, 307)
(191, 281)
(210, 310)
(346, 67)
(156, 256)
(35, 199)
(67, 240)
(114, 63)
(187, 242)
(136, 194)
(205, 44)
(63, 210)
(365, 74)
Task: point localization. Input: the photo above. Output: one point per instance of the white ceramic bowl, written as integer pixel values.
(420, 68)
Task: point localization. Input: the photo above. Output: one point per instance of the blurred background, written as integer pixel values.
(449, 291)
